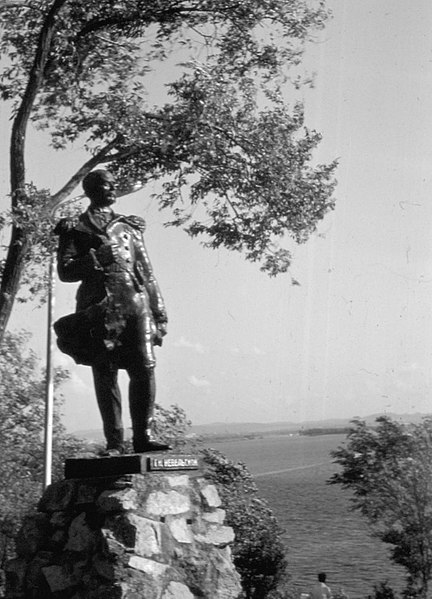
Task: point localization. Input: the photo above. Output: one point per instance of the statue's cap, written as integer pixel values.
(94, 176)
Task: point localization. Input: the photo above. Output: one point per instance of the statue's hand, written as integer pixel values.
(106, 254)
(162, 328)
(161, 331)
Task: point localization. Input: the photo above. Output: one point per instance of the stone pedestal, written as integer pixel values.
(155, 535)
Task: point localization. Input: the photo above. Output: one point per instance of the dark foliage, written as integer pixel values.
(389, 470)
(258, 551)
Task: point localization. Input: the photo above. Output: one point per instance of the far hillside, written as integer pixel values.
(329, 426)
(332, 430)
(221, 430)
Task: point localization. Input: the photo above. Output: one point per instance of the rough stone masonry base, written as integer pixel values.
(140, 536)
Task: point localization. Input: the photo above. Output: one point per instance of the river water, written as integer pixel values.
(321, 533)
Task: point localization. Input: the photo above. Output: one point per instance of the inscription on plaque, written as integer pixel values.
(183, 462)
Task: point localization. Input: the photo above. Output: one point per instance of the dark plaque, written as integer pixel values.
(135, 463)
(101, 467)
(173, 462)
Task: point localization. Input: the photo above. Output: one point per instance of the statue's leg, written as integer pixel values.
(105, 377)
(142, 385)
(142, 396)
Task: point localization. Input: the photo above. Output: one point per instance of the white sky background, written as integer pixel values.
(356, 337)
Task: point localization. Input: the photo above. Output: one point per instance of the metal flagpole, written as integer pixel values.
(49, 381)
(49, 389)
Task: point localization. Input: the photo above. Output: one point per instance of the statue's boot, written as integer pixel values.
(112, 452)
(109, 402)
(147, 444)
(115, 443)
(142, 414)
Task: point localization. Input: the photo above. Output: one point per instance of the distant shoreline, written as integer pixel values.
(222, 437)
(253, 430)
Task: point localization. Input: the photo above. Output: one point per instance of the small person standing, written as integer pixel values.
(320, 590)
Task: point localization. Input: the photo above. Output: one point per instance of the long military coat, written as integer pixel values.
(118, 305)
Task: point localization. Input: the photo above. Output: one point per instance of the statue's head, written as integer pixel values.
(99, 186)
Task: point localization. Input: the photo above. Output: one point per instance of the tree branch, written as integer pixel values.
(98, 24)
(17, 165)
(119, 156)
(110, 42)
(156, 17)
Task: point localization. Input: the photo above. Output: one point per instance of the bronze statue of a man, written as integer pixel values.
(120, 314)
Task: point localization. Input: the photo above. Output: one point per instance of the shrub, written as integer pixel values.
(258, 551)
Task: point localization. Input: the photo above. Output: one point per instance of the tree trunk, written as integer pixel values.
(19, 243)
(11, 276)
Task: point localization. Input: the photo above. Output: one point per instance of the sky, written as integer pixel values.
(355, 338)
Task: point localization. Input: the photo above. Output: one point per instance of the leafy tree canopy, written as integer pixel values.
(389, 470)
(234, 157)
